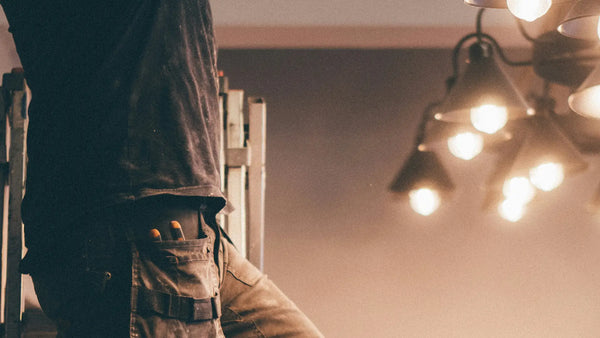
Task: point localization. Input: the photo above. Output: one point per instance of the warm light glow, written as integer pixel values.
(598, 29)
(518, 189)
(465, 145)
(424, 201)
(547, 176)
(586, 102)
(511, 210)
(528, 10)
(489, 118)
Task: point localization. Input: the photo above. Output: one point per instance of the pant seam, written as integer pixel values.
(232, 273)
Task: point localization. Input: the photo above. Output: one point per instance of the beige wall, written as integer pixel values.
(8, 55)
(340, 125)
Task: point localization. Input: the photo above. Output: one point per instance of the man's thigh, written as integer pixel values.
(253, 306)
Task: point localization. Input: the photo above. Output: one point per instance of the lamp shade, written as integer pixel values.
(581, 21)
(506, 156)
(482, 84)
(422, 170)
(586, 99)
(583, 132)
(544, 143)
(487, 3)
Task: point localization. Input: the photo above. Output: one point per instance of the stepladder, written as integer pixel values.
(243, 172)
(13, 133)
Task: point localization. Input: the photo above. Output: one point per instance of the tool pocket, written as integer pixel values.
(175, 288)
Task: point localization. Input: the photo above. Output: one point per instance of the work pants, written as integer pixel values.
(122, 282)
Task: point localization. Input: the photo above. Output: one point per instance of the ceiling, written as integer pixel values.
(350, 23)
(414, 13)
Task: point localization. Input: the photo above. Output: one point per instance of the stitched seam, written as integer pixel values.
(238, 279)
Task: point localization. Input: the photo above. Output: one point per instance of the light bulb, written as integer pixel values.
(547, 176)
(528, 10)
(511, 210)
(489, 118)
(465, 145)
(424, 201)
(518, 189)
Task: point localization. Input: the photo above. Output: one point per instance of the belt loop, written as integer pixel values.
(216, 306)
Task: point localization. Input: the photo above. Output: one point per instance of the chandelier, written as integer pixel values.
(482, 110)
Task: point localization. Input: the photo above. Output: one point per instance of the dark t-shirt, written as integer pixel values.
(124, 104)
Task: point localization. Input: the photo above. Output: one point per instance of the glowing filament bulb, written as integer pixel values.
(465, 145)
(489, 118)
(547, 176)
(518, 189)
(511, 210)
(424, 201)
(528, 10)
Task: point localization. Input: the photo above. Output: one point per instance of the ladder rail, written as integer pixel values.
(14, 84)
(243, 167)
